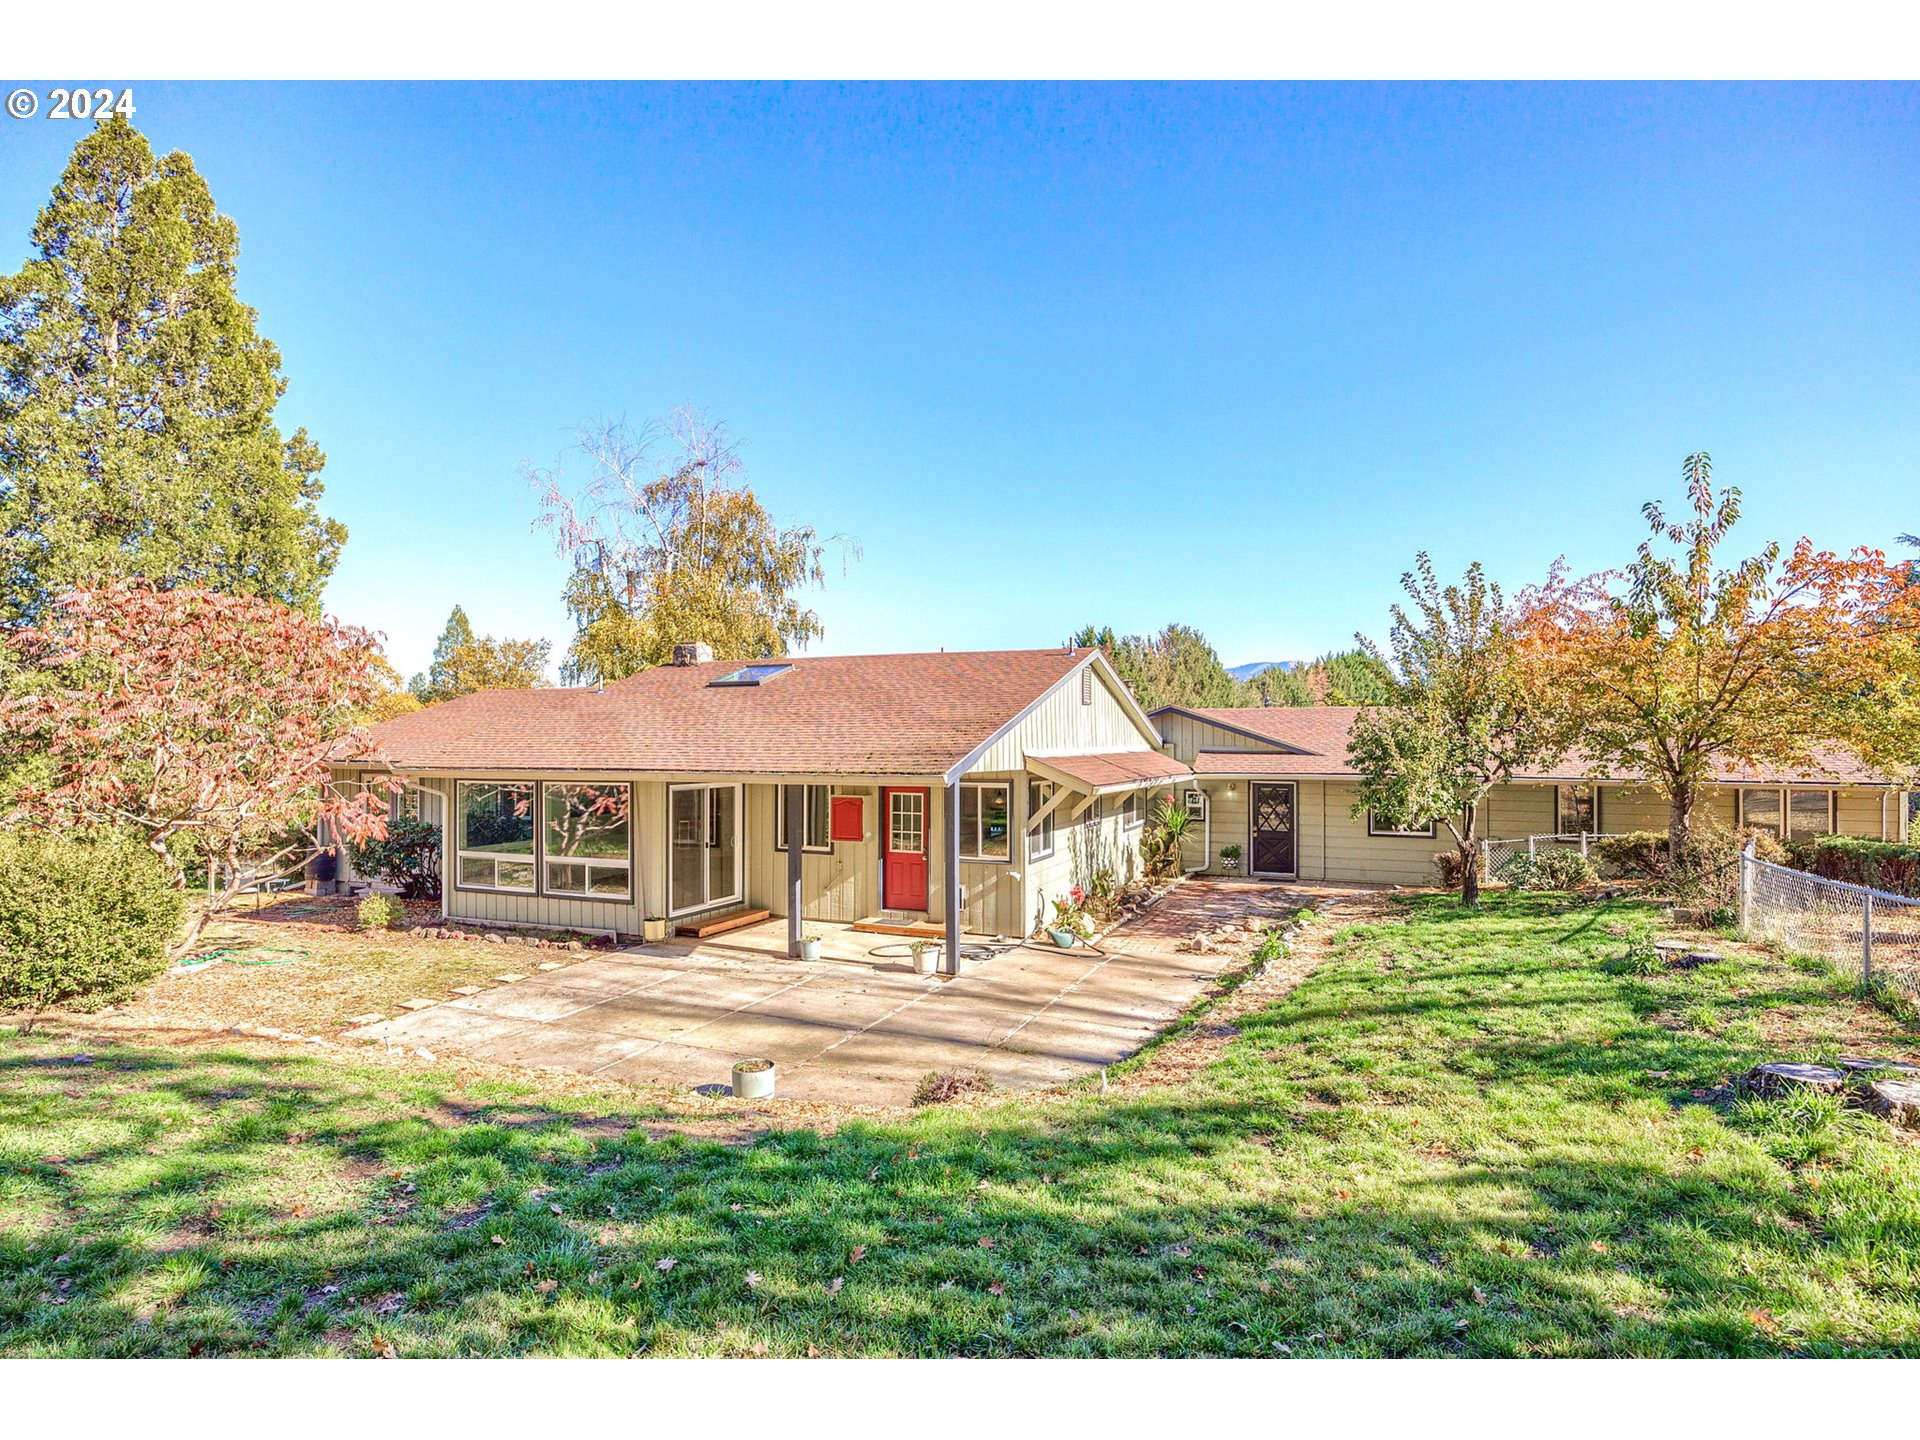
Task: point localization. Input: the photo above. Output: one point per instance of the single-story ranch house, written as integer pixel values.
(865, 789)
(872, 789)
(1276, 782)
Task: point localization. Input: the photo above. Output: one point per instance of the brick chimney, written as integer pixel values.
(697, 652)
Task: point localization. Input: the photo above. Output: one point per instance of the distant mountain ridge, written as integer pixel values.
(1260, 667)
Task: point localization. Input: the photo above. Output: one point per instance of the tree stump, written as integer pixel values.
(1788, 1077)
(1871, 1064)
(1897, 1101)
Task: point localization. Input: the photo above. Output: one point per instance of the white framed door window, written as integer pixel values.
(705, 859)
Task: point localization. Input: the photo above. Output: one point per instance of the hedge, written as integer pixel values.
(85, 919)
(1878, 864)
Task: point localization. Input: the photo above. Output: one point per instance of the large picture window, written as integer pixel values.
(986, 821)
(588, 841)
(819, 822)
(496, 836)
(1788, 813)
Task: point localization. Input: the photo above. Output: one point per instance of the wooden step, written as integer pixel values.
(913, 929)
(708, 926)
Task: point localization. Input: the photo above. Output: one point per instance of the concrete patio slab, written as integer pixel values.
(856, 1026)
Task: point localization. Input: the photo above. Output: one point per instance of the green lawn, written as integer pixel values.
(1464, 1134)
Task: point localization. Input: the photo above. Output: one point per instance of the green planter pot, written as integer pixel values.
(1065, 939)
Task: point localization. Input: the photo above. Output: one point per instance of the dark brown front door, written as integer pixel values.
(903, 850)
(1271, 823)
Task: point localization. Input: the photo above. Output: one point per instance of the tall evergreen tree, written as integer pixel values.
(463, 663)
(436, 683)
(137, 435)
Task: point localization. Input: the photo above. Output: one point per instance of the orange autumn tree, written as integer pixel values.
(196, 719)
(1682, 668)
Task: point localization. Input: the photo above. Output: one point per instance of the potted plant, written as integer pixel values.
(753, 1079)
(654, 927)
(1070, 925)
(810, 945)
(1230, 858)
(926, 958)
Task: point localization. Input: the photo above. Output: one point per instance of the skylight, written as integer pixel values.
(752, 675)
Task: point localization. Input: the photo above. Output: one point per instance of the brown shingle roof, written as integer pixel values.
(1319, 733)
(1115, 768)
(828, 715)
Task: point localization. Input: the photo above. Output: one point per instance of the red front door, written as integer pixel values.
(903, 850)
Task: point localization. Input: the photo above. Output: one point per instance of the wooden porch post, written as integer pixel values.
(950, 869)
(796, 864)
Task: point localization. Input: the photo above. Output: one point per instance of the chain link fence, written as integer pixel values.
(1497, 855)
(1872, 934)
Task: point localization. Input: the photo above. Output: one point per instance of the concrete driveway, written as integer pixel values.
(857, 1026)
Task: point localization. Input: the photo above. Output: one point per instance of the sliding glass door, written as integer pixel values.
(703, 849)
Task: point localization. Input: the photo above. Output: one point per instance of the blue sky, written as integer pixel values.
(1224, 355)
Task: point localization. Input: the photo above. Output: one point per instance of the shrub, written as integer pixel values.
(85, 919)
(1641, 855)
(408, 859)
(1639, 958)
(1166, 837)
(1446, 864)
(1553, 868)
(381, 912)
(1879, 864)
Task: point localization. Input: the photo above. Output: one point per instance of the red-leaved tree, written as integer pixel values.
(187, 713)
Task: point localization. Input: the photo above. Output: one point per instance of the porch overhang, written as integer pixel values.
(1111, 773)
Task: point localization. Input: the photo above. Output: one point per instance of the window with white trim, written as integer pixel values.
(986, 820)
(496, 837)
(1130, 811)
(587, 841)
(1040, 839)
(1377, 826)
(818, 836)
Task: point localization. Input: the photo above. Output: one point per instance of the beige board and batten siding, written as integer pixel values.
(1225, 821)
(1080, 848)
(840, 884)
(1068, 720)
(1188, 736)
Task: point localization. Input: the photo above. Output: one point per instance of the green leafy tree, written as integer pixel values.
(1122, 652)
(1460, 721)
(137, 396)
(1352, 677)
(1274, 687)
(1175, 667)
(667, 543)
(1686, 664)
(463, 665)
